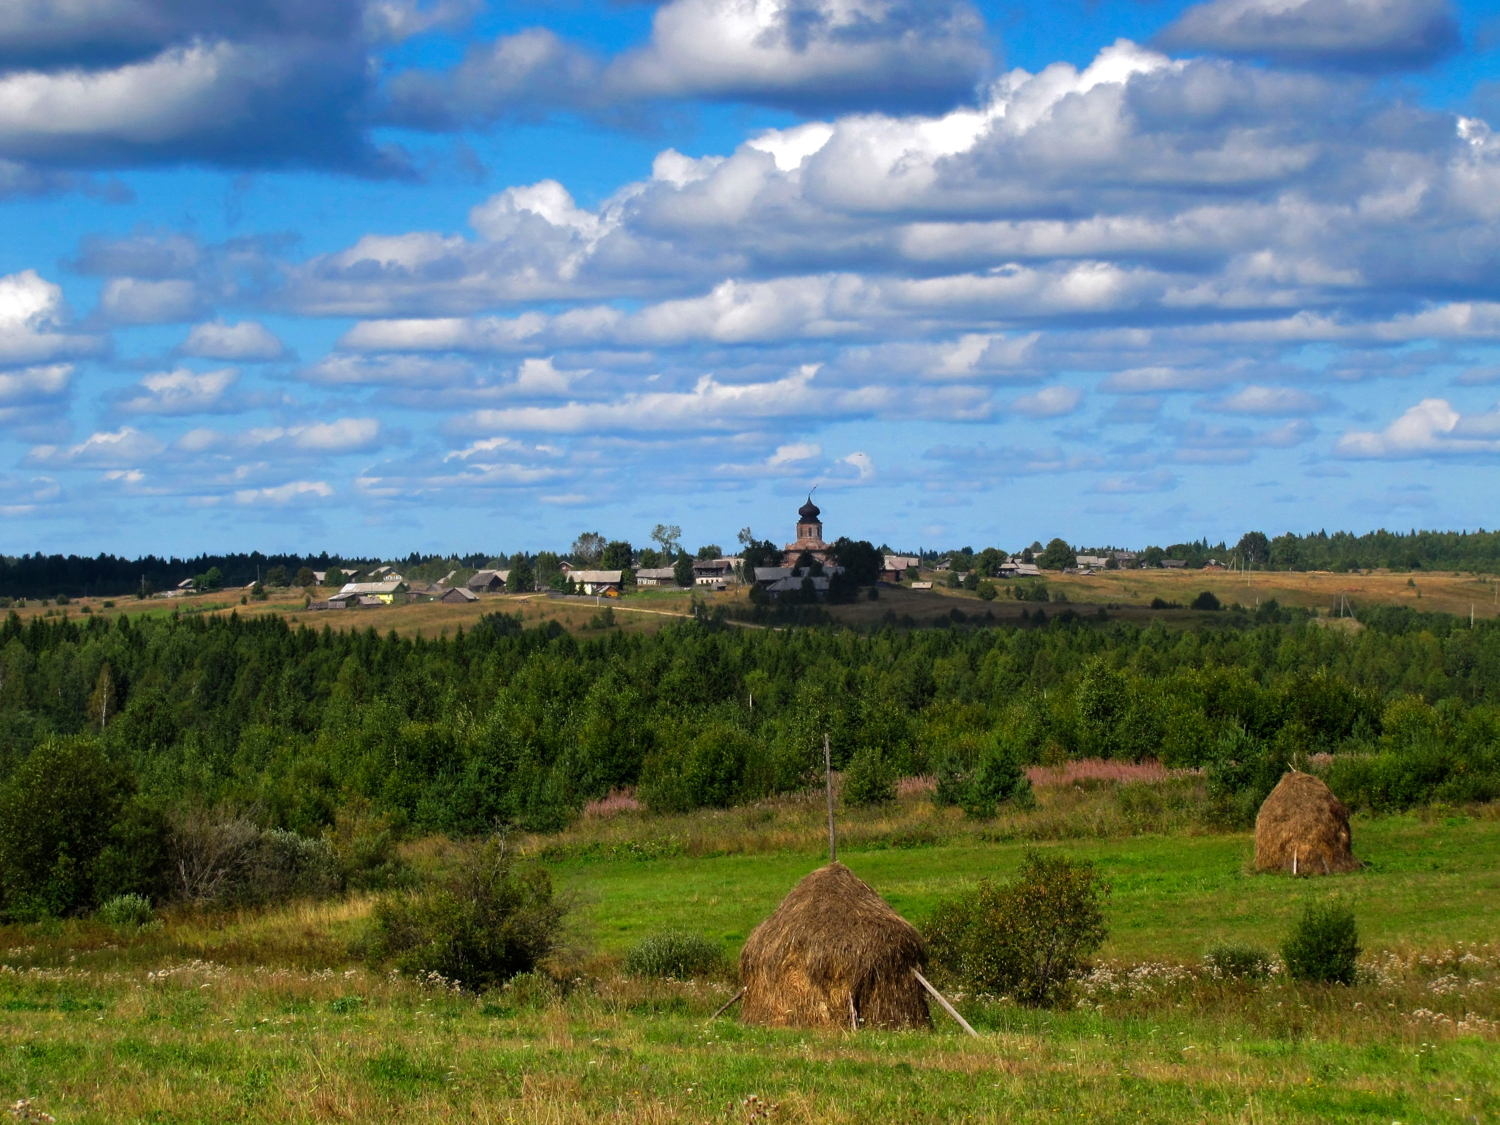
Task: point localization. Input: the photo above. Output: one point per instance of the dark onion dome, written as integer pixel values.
(808, 511)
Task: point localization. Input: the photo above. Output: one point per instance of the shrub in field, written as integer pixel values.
(364, 843)
(1231, 961)
(126, 912)
(209, 853)
(674, 954)
(71, 832)
(221, 857)
(981, 780)
(286, 865)
(479, 926)
(870, 779)
(1207, 600)
(1323, 947)
(1028, 938)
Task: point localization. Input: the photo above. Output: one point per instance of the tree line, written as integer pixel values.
(1342, 551)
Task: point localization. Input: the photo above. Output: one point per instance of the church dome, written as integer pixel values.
(808, 511)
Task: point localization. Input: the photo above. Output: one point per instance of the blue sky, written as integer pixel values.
(376, 276)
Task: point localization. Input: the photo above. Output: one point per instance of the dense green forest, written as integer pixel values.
(504, 724)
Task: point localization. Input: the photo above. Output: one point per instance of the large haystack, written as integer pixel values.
(831, 940)
(1303, 829)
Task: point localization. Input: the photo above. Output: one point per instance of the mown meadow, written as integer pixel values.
(271, 1013)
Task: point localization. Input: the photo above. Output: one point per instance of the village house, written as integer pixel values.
(778, 580)
(795, 583)
(716, 573)
(456, 595)
(1014, 568)
(656, 576)
(392, 591)
(488, 581)
(336, 601)
(605, 583)
(893, 568)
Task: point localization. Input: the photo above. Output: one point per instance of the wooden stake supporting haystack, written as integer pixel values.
(943, 1000)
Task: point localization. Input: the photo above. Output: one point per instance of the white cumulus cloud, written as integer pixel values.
(248, 341)
(33, 317)
(178, 392)
(1432, 428)
(126, 447)
(1049, 402)
(1267, 401)
(132, 300)
(282, 495)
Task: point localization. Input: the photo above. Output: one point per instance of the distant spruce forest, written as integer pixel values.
(41, 576)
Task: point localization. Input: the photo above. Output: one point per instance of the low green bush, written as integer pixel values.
(1208, 601)
(479, 925)
(364, 845)
(1233, 961)
(1027, 939)
(677, 955)
(1323, 947)
(126, 912)
(869, 779)
(286, 866)
(979, 780)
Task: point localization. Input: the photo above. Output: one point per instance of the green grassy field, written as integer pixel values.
(1423, 884)
(267, 1016)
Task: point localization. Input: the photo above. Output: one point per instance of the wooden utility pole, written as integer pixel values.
(833, 844)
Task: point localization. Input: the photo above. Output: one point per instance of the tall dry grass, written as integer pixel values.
(1081, 800)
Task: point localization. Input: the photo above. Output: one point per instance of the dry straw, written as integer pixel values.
(834, 954)
(1303, 829)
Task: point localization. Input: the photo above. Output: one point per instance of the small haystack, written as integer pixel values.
(1303, 829)
(834, 955)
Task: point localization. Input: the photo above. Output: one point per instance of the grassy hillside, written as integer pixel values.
(267, 1016)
